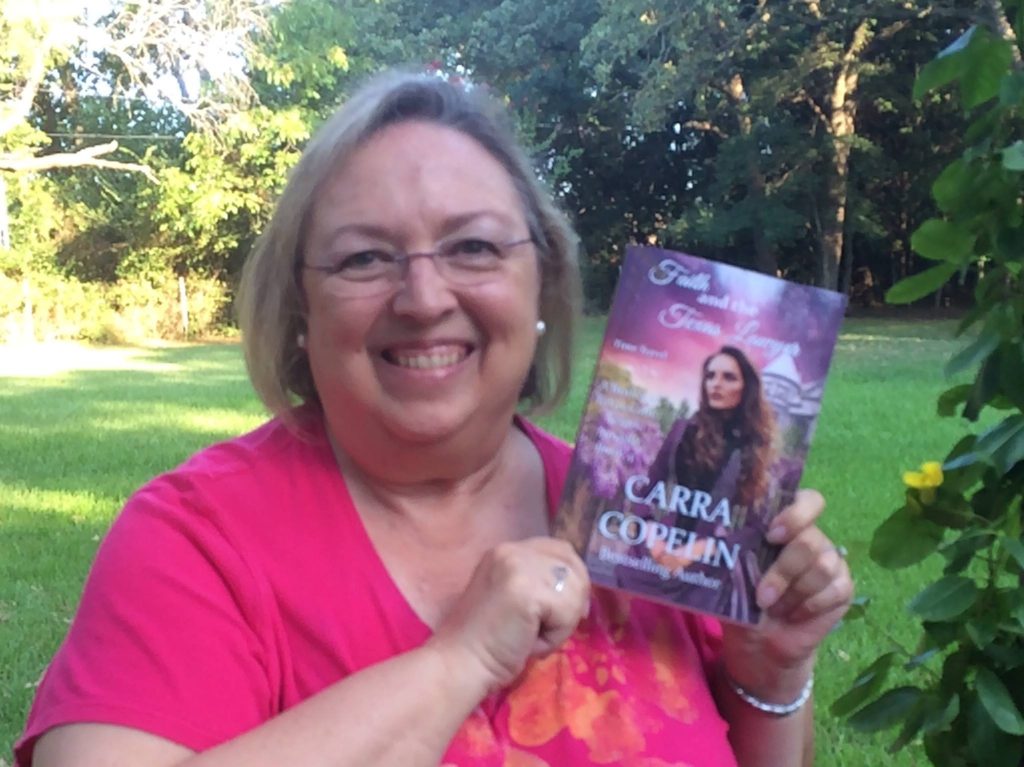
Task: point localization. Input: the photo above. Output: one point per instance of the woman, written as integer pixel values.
(367, 579)
(726, 447)
(724, 450)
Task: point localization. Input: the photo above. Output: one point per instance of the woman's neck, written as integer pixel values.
(414, 480)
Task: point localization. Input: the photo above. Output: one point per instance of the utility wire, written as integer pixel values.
(148, 137)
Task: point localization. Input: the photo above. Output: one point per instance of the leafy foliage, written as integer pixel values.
(771, 134)
(967, 696)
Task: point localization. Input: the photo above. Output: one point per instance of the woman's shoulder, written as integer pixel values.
(236, 485)
(275, 443)
(552, 449)
(272, 449)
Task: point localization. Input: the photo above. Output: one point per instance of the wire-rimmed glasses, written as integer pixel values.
(466, 262)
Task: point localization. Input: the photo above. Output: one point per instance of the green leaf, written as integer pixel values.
(974, 353)
(997, 702)
(982, 633)
(960, 553)
(904, 539)
(921, 284)
(921, 658)
(1011, 89)
(940, 718)
(887, 711)
(949, 511)
(940, 72)
(962, 461)
(1018, 614)
(988, 59)
(941, 240)
(951, 398)
(947, 598)
(951, 185)
(1006, 656)
(1011, 453)
(960, 43)
(954, 668)
(865, 686)
(987, 744)
(983, 126)
(1013, 156)
(1001, 443)
(1014, 548)
(1011, 374)
(858, 609)
(912, 725)
(985, 388)
(973, 315)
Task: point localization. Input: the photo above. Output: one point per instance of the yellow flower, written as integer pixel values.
(930, 476)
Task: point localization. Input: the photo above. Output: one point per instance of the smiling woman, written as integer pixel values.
(368, 578)
(419, 358)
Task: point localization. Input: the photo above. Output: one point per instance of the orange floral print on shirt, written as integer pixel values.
(601, 686)
(623, 691)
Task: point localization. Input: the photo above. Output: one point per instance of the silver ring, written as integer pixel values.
(841, 551)
(561, 573)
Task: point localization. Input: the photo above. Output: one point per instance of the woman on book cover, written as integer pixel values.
(725, 449)
(368, 579)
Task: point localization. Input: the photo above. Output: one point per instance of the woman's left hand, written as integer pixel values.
(803, 595)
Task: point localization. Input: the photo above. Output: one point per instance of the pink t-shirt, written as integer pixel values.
(243, 582)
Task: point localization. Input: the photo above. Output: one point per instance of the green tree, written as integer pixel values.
(962, 687)
(775, 88)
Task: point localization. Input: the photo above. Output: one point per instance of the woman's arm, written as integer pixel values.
(760, 739)
(403, 711)
(803, 595)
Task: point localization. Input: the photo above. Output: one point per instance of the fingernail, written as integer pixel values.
(767, 596)
(777, 533)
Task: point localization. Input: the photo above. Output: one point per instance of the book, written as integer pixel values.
(701, 412)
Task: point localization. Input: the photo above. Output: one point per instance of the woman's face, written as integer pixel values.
(425, 357)
(723, 382)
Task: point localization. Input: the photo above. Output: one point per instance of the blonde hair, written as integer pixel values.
(270, 299)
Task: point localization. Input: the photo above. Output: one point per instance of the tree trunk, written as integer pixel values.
(834, 220)
(847, 280)
(842, 126)
(764, 256)
(5, 224)
(28, 324)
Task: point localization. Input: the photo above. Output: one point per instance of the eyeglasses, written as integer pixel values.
(465, 262)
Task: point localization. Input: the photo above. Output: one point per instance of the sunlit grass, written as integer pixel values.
(79, 433)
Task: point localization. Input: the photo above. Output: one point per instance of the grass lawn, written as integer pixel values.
(79, 434)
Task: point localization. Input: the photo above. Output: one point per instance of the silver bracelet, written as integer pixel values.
(776, 709)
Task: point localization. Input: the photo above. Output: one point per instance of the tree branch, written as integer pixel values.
(771, 187)
(89, 157)
(707, 126)
(861, 37)
(16, 110)
(1002, 27)
(804, 96)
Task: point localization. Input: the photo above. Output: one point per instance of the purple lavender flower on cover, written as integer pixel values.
(613, 449)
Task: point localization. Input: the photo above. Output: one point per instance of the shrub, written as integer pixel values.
(127, 311)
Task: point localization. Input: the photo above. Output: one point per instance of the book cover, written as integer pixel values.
(700, 415)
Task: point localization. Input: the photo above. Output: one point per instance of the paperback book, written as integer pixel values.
(699, 419)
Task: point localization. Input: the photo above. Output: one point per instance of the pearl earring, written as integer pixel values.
(300, 339)
(541, 327)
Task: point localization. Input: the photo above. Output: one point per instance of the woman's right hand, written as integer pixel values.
(513, 609)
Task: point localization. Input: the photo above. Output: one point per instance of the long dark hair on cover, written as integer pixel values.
(751, 423)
